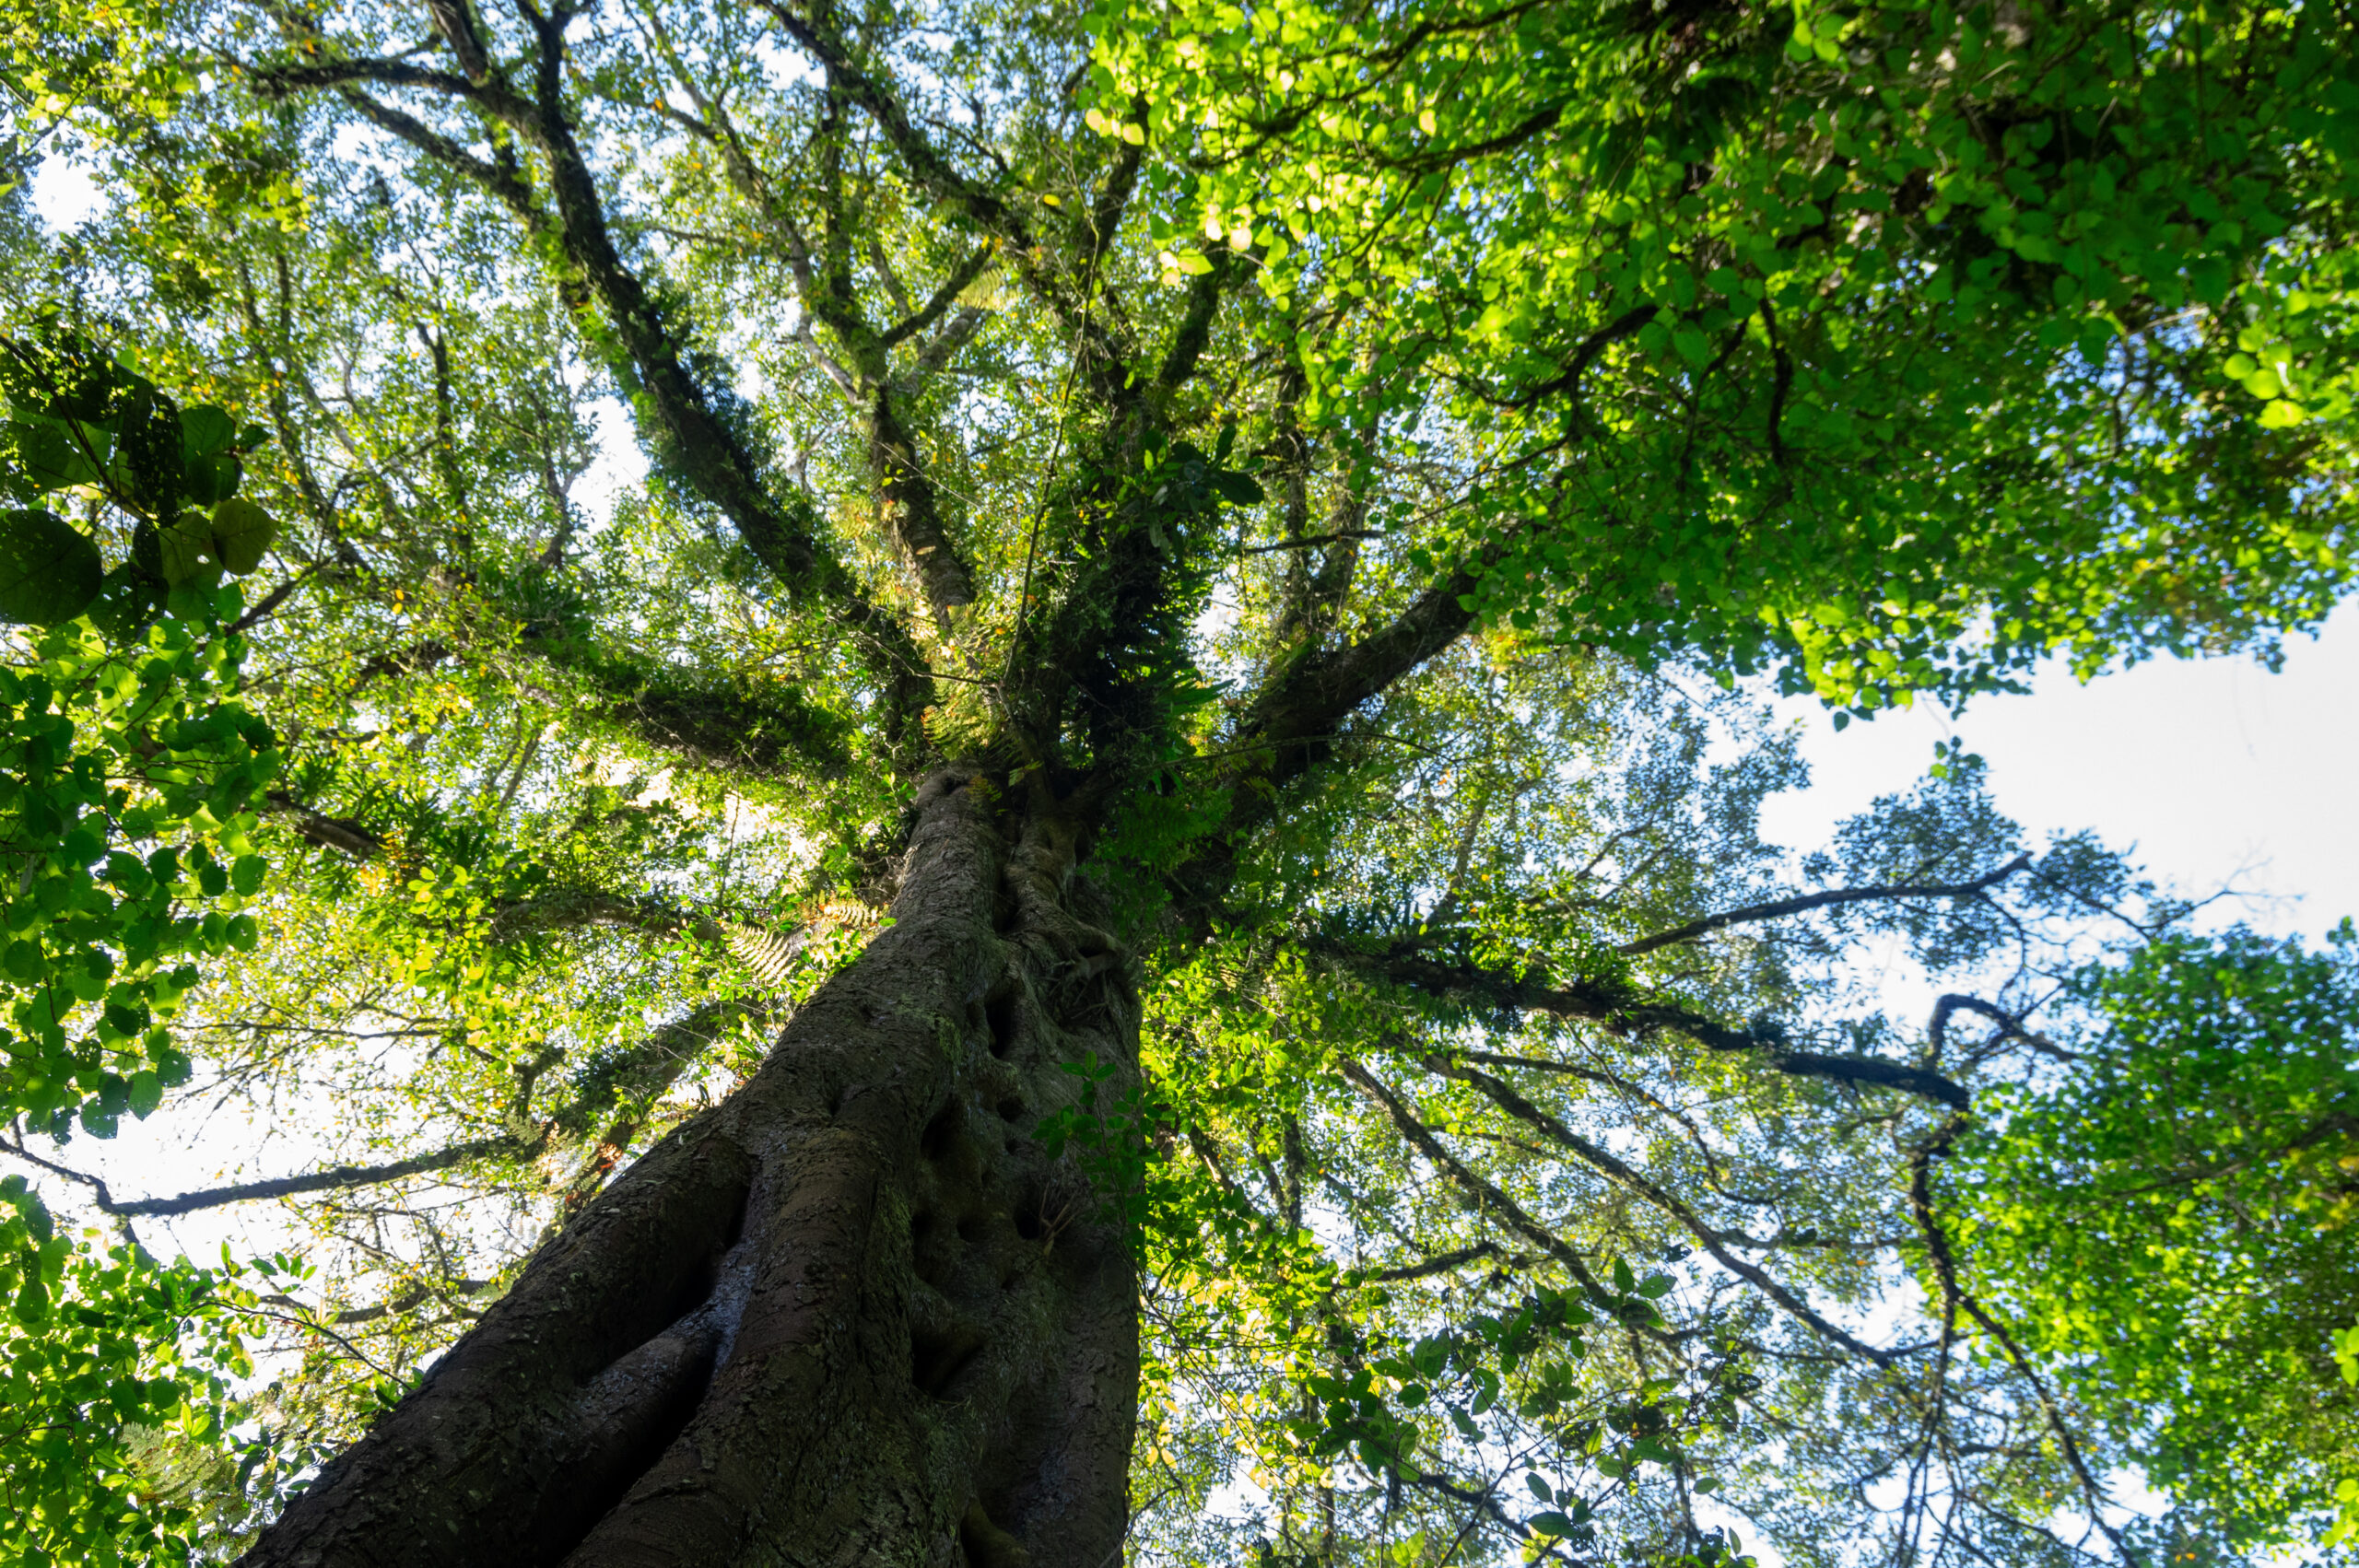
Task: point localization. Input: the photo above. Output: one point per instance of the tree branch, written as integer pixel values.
(912, 511)
(1796, 906)
(1310, 700)
(1954, 1297)
(965, 273)
(1619, 1008)
(689, 432)
(932, 172)
(1441, 1263)
(1604, 1163)
(333, 1179)
(1489, 1196)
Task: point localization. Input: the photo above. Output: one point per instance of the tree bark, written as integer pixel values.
(853, 1314)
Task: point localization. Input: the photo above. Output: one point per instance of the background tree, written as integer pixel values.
(2205, 1151)
(1179, 508)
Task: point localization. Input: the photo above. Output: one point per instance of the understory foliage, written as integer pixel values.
(1351, 458)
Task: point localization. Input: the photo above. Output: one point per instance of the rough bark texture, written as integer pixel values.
(853, 1314)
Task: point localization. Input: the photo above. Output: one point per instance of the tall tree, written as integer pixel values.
(1152, 519)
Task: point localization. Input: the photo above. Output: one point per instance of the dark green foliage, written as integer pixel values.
(49, 570)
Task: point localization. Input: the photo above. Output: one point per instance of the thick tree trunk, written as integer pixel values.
(851, 1316)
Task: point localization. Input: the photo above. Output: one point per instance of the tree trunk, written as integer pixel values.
(853, 1314)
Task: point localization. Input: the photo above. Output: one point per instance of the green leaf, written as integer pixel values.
(37, 1221)
(150, 464)
(187, 552)
(214, 478)
(241, 534)
(1238, 489)
(205, 430)
(128, 599)
(50, 456)
(50, 571)
(63, 377)
(32, 1299)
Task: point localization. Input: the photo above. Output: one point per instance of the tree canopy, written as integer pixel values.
(1131, 632)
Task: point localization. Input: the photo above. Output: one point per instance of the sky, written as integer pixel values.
(2221, 774)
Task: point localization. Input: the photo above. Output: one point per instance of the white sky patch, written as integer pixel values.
(2220, 773)
(1239, 1499)
(619, 466)
(61, 193)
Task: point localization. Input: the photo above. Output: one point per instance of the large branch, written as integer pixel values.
(763, 733)
(758, 729)
(335, 1178)
(1620, 1008)
(1296, 721)
(1194, 333)
(910, 506)
(496, 98)
(912, 509)
(1294, 718)
(978, 262)
(1808, 901)
(687, 429)
(504, 180)
(619, 1091)
(689, 432)
(322, 831)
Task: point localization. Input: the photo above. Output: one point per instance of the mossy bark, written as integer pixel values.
(853, 1314)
